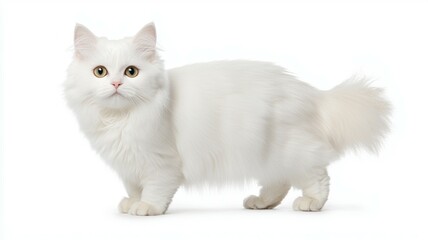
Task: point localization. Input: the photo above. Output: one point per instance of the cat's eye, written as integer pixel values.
(131, 71)
(100, 71)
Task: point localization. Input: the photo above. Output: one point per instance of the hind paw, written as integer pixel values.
(307, 204)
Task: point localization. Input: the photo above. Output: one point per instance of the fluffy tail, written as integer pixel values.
(355, 115)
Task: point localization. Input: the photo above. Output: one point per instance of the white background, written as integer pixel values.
(55, 187)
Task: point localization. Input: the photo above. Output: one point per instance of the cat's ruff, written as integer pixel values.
(214, 123)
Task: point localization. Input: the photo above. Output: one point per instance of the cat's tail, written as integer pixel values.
(355, 115)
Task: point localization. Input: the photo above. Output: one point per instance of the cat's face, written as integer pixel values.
(115, 74)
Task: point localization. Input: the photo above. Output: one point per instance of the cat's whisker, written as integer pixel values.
(134, 95)
(104, 92)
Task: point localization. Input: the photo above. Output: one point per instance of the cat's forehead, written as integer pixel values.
(115, 44)
(115, 51)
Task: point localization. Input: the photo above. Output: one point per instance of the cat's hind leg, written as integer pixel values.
(315, 193)
(269, 197)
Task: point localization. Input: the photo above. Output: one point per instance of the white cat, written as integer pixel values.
(214, 123)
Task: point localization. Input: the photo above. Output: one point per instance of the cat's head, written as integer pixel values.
(115, 74)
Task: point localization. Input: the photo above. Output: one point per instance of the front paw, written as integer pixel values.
(255, 202)
(144, 209)
(126, 204)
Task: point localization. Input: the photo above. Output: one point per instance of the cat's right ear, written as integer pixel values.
(84, 41)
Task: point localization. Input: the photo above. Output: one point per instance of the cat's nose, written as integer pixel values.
(116, 84)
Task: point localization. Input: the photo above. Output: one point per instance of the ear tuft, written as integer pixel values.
(145, 40)
(84, 41)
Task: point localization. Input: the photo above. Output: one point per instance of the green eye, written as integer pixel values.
(131, 71)
(100, 71)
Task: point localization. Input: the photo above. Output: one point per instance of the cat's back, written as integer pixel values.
(239, 85)
(222, 80)
(227, 74)
(228, 66)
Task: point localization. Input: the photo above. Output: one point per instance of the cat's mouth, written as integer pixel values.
(116, 93)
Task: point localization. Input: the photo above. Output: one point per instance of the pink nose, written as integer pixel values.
(116, 84)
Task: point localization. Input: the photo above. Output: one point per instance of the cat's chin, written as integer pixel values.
(116, 102)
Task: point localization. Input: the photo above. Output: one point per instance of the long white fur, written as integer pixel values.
(215, 123)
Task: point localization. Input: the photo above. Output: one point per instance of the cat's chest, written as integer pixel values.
(130, 141)
(118, 139)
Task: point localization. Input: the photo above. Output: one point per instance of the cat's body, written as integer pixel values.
(215, 123)
(234, 119)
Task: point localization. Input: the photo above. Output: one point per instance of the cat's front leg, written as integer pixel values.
(156, 196)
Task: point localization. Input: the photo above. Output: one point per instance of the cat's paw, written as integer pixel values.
(255, 202)
(144, 209)
(307, 204)
(126, 204)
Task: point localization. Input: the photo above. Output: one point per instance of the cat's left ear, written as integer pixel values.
(84, 41)
(145, 40)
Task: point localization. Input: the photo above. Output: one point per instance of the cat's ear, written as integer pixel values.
(84, 41)
(145, 41)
